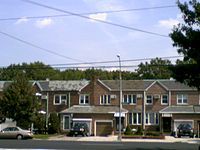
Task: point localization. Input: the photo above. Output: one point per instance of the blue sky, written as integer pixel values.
(82, 39)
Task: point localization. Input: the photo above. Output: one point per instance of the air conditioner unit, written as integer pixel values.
(139, 95)
(64, 102)
(156, 96)
(113, 96)
(44, 97)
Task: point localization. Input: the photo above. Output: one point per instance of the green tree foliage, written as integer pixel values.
(54, 124)
(156, 69)
(186, 37)
(19, 102)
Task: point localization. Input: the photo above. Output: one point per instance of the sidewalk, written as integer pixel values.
(168, 139)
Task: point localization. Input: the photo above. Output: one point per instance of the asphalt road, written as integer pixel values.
(69, 145)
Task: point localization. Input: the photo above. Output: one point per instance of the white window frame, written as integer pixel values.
(105, 99)
(151, 100)
(181, 97)
(162, 99)
(148, 119)
(137, 119)
(60, 99)
(84, 99)
(130, 101)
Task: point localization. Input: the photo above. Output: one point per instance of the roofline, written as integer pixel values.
(83, 87)
(104, 85)
(38, 84)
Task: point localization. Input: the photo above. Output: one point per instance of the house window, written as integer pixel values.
(105, 99)
(84, 99)
(129, 99)
(66, 122)
(182, 99)
(152, 118)
(135, 118)
(149, 100)
(61, 99)
(164, 100)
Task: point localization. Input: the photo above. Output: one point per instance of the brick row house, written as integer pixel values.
(154, 105)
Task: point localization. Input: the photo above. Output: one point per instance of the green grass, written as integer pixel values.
(41, 136)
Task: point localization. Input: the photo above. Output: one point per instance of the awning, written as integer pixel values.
(117, 114)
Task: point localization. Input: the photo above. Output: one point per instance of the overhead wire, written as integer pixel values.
(89, 13)
(98, 20)
(38, 47)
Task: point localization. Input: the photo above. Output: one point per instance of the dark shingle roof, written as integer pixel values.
(174, 85)
(141, 85)
(138, 85)
(93, 109)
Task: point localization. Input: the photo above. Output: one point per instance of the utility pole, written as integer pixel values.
(120, 99)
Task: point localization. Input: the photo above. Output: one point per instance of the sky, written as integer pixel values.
(75, 39)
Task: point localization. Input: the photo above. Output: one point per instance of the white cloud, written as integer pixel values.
(169, 23)
(99, 16)
(44, 22)
(21, 20)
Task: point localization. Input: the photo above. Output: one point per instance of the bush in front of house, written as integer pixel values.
(128, 130)
(139, 130)
(54, 123)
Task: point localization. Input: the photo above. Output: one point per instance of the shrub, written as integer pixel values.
(53, 123)
(128, 130)
(139, 130)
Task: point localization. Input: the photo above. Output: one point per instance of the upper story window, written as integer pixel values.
(61, 99)
(105, 99)
(182, 99)
(84, 99)
(164, 100)
(129, 99)
(149, 100)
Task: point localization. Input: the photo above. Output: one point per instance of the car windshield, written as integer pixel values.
(184, 126)
(80, 125)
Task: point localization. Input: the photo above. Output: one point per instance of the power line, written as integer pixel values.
(89, 13)
(35, 46)
(98, 20)
(115, 61)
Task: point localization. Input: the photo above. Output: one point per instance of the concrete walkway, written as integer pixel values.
(168, 139)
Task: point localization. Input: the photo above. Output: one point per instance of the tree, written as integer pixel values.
(53, 123)
(156, 69)
(186, 37)
(19, 102)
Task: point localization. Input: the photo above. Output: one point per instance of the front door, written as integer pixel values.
(167, 124)
(117, 123)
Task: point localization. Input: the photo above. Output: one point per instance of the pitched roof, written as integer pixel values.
(174, 85)
(141, 85)
(93, 109)
(71, 85)
(137, 85)
(181, 110)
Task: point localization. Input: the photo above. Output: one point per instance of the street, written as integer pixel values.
(75, 145)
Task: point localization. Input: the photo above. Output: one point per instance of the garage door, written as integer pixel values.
(177, 123)
(103, 128)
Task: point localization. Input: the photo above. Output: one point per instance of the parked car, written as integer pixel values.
(79, 129)
(15, 133)
(185, 130)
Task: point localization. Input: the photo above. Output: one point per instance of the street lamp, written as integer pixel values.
(120, 98)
